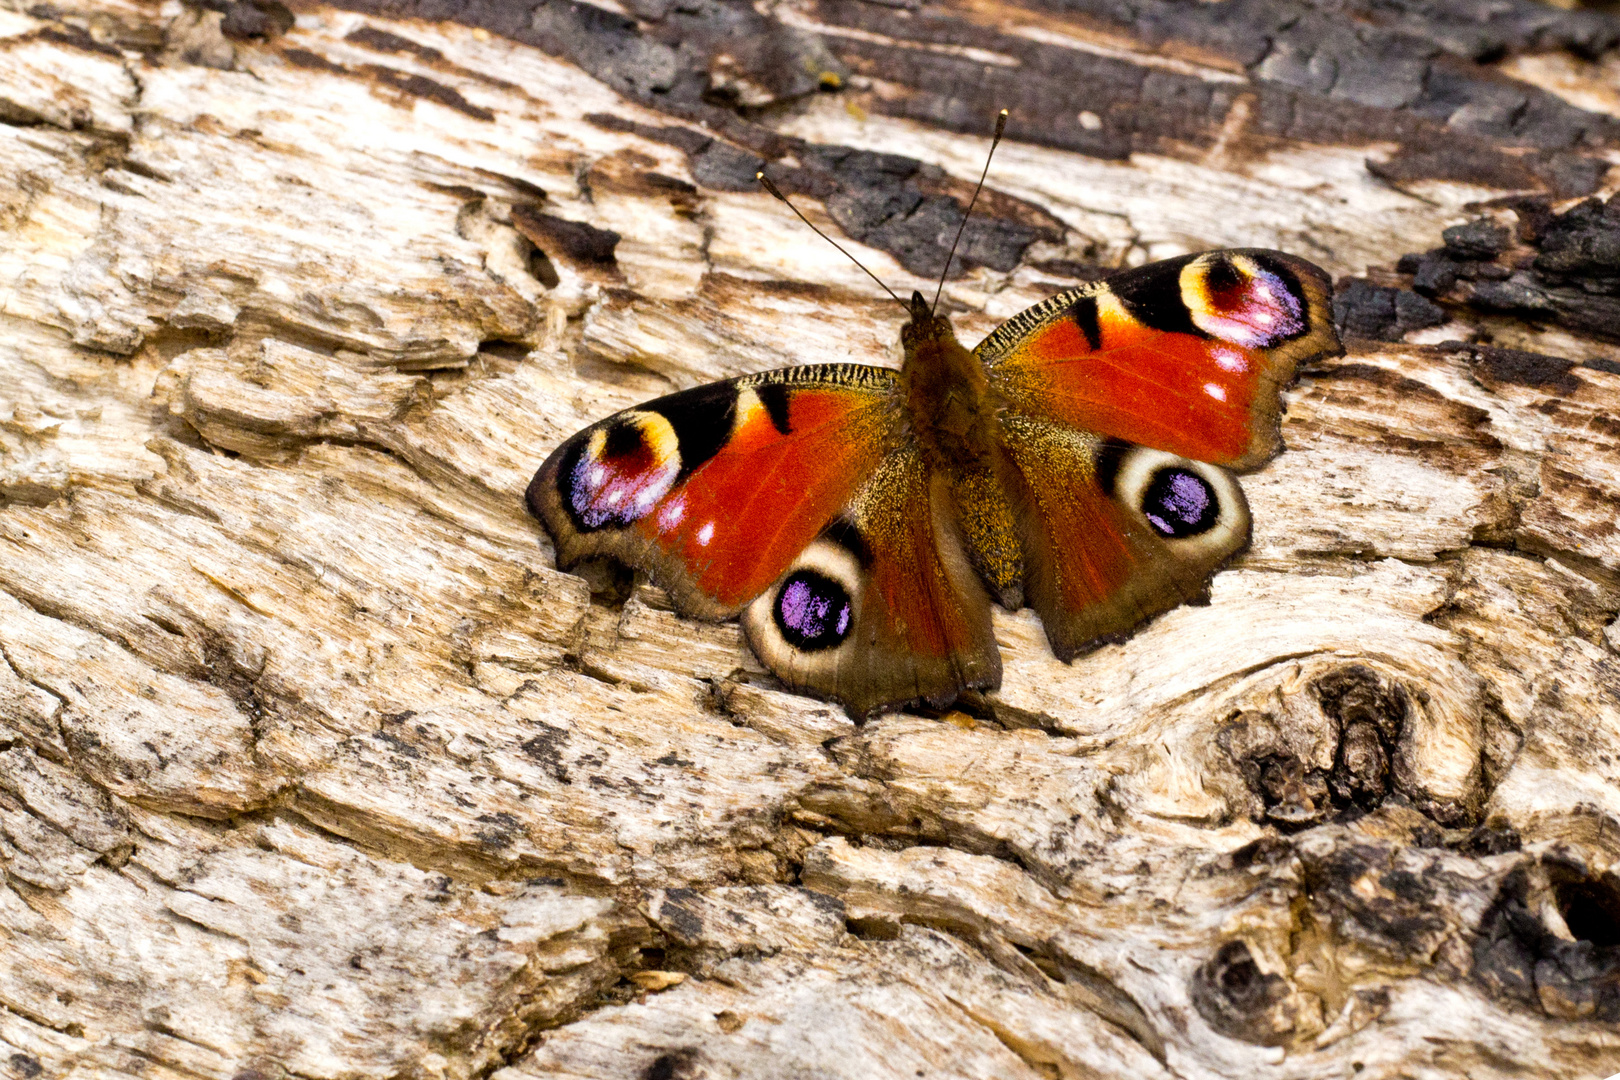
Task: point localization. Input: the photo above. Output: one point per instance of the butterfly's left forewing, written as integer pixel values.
(714, 491)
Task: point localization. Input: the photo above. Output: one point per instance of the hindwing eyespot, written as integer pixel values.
(1179, 503)
(812, 611)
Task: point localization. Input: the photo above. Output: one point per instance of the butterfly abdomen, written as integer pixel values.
(954, 415)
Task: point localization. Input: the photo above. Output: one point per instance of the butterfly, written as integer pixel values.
(861, 521)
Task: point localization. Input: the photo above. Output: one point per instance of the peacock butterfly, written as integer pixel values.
(861, 520)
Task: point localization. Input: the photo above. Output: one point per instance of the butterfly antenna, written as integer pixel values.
(1001, 128)
(776, 191)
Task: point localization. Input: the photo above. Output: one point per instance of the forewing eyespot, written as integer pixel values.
(1233, 298)
(620, 471)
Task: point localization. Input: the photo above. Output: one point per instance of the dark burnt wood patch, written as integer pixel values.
(313, 61)
(420, 86)
(261, 20)
(1248, 31)
(1369, 715)
(250, 20)
(715, 163)
(574, 240)
(1494, 367)
(1369, 894)
(1543, 266)
(1362, 309)
(382, 41)
(903, 206)
(1239, 1000)
(1317, 76)
(1570, 975)
(404, 83)
(1415, 74)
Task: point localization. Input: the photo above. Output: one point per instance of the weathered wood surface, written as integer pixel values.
(312, 764)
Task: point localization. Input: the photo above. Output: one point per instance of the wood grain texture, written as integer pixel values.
(313, 765)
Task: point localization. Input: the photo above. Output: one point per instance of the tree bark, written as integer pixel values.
(313, 765)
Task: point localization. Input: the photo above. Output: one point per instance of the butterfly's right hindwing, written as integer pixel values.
(1114, 533)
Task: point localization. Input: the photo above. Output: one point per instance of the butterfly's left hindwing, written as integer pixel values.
(714, 491)
(883, 609)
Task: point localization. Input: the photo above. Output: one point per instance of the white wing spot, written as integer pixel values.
(1215, 391)
(1265, 318)
(614, 496)
(706, 533)
(1230, 360)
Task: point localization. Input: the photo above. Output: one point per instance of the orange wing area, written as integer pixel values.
(739, 519)
(1144, 386)
(1186, 355)
(715, 490)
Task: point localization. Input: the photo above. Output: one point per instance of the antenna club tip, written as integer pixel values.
(769, 186)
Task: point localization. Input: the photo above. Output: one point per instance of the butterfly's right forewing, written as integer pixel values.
(1188, 355)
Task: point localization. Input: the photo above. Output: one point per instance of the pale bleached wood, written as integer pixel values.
(314, 765)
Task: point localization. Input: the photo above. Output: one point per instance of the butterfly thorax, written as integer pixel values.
(954, 414)
(947, 396)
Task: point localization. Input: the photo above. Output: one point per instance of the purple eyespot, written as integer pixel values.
(812, 611)
(1179, 503)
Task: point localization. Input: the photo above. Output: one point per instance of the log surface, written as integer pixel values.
(313, 765)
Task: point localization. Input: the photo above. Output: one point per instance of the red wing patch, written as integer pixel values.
(737, 521)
